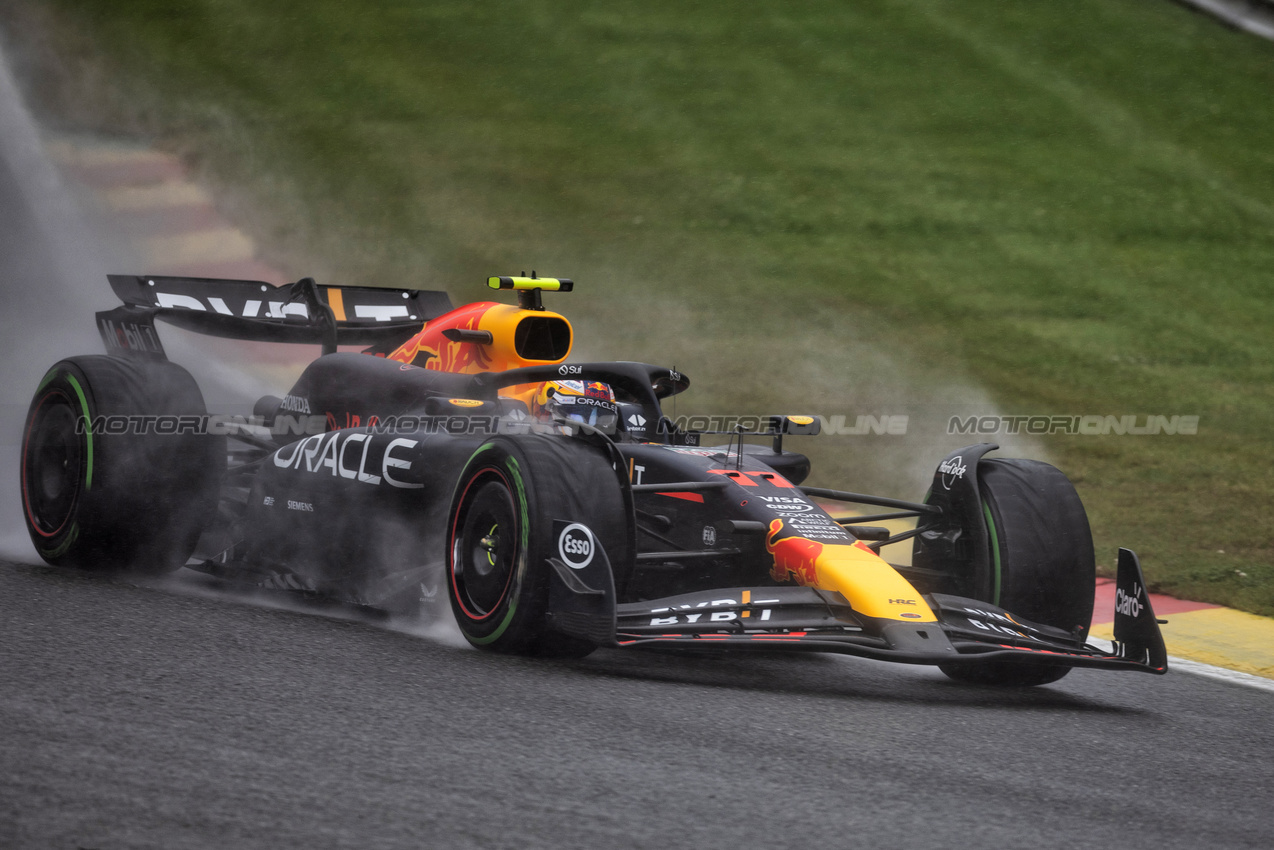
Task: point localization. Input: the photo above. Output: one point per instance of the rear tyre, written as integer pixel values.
(1042, 563)
(114, 472)
(500, 537)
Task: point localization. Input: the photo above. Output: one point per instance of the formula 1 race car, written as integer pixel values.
(560, 507)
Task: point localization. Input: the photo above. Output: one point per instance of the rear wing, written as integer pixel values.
(301, 312)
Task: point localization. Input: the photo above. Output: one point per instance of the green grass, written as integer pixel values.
(936, 208)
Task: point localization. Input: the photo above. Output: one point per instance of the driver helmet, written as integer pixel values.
(590, 402)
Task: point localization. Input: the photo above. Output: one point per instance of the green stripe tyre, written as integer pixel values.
(97, 491)
(1042, 564)
(500, 537)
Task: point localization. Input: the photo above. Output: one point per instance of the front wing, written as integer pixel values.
(966, 631)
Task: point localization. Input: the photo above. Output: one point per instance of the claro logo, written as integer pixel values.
(1129, 605)
(576, 545)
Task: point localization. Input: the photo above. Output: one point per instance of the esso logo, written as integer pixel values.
(575, 545)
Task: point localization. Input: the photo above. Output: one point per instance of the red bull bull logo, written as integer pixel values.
(794, 557)
(432, 348)
(460, 357)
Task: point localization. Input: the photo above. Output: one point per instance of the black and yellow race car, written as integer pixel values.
(559, 506)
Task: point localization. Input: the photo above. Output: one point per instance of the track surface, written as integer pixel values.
(170, 715)
(152, 715)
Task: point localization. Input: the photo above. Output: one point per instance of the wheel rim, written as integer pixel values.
(51, 465)
(485, 546)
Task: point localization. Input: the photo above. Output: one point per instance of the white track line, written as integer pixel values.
(1243, 15)
(1198, 668)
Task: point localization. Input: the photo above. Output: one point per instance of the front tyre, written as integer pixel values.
(488, 550)
(500, 537)
(1042, 562)
(115, 473)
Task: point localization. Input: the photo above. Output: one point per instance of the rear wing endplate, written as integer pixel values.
(301, 312)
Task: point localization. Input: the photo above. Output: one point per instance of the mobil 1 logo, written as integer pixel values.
(576, 544)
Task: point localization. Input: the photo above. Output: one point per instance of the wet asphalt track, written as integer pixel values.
(171, 715)
(143, 714)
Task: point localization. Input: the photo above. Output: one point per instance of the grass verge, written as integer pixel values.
(900, 206)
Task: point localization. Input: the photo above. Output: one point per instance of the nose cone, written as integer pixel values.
(794, 557)
(872, 587)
